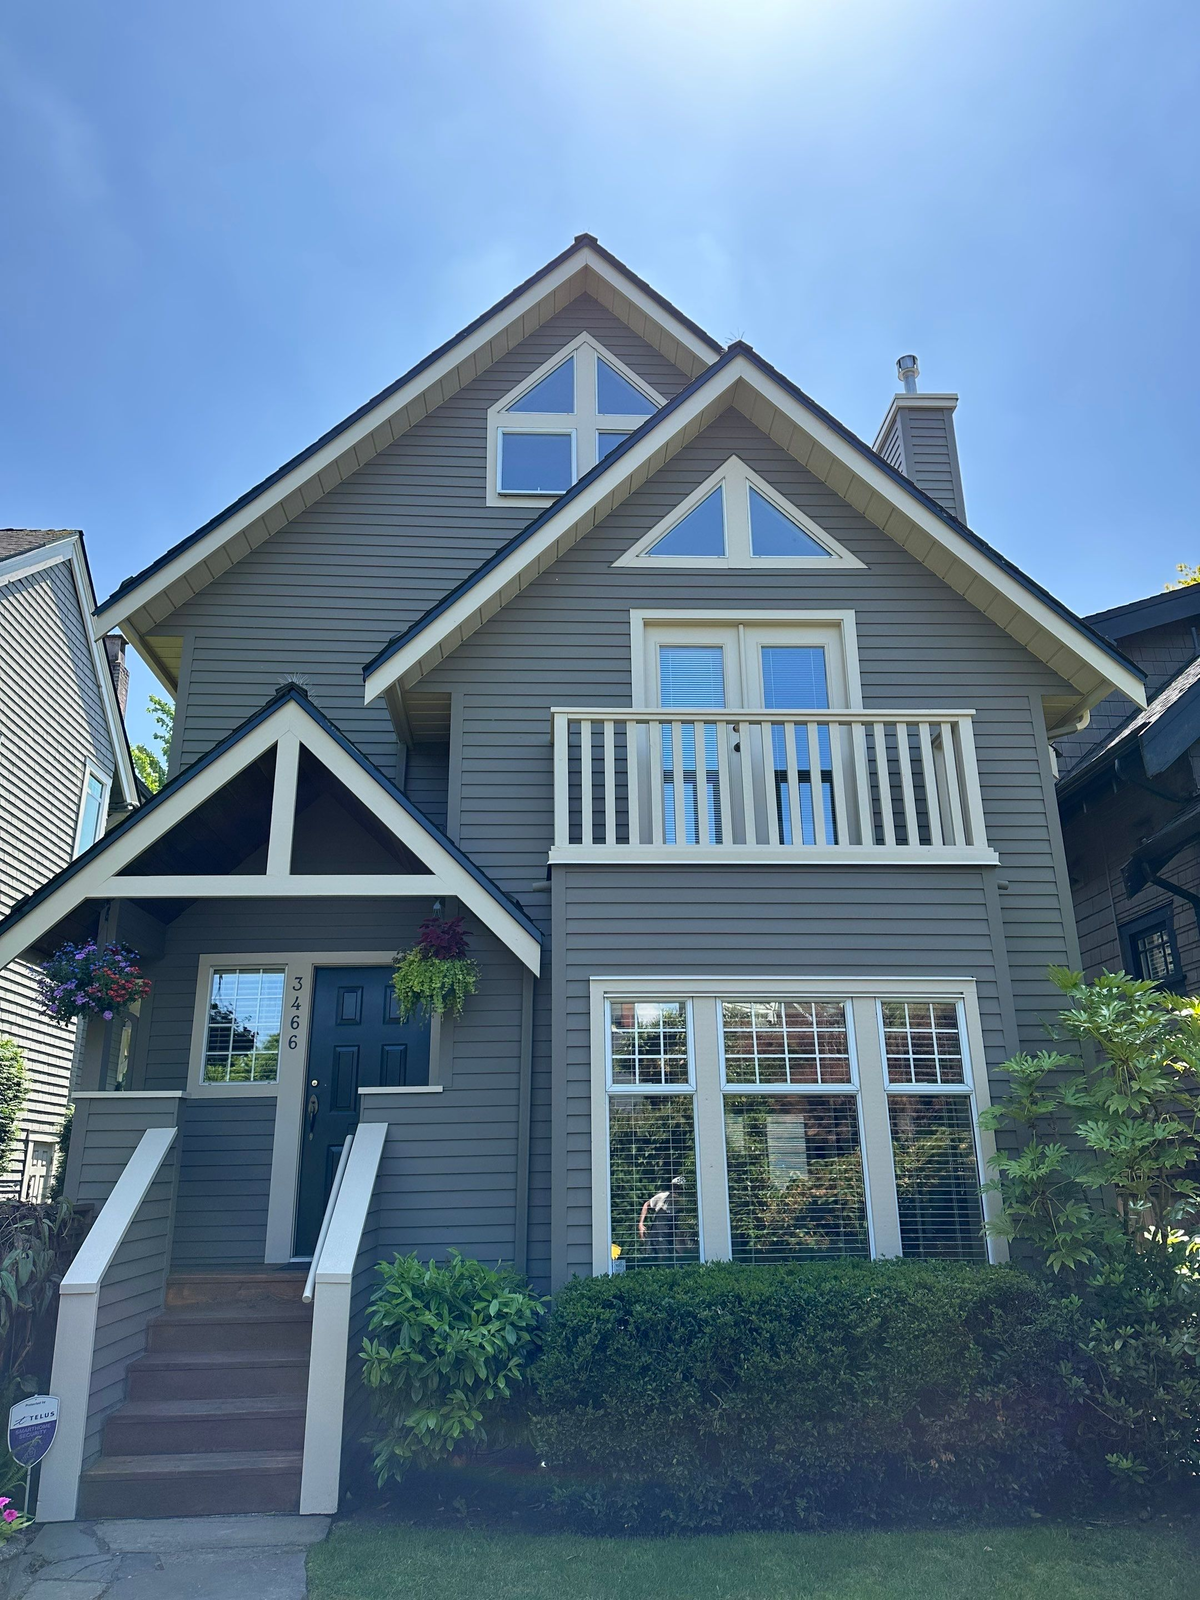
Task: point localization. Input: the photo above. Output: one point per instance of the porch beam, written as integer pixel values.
(283, 804)
(268, 885)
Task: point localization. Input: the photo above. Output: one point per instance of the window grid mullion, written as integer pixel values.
(883, 1206)
(712, 1180)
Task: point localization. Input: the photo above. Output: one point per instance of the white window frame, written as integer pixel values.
(862, 998)
(91, 770)
(584, 423)
(737, 479)
(836, 630)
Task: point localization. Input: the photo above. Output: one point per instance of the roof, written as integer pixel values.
(291, 710)
(1161, 847)
(1090, 661)
(146, 599)
(1167, 727)
(1155, 611)
(16, 541)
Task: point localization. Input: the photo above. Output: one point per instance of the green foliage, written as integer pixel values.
(1187, 576)
(1102, 1187)
(36, 1244)
(725, 1396)
(150, 767)
(433, 984)
(14, 1087)
(450, 1348)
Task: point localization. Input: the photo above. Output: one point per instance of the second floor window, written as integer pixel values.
(92, 811)
(561, 421)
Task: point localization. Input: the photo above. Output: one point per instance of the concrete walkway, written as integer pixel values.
(170, 1558)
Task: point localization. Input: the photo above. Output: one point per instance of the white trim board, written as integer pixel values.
(582, 271)
(861, 481)
(99, 878)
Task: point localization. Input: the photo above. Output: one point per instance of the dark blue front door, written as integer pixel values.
(358, 1042)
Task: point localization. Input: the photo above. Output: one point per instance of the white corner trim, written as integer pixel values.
(736, 479)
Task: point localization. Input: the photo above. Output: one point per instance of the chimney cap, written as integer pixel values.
(907, 370)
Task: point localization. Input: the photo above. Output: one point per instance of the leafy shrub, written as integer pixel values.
(451, 1346)
(13, 1089)
(727, 1396)
(1104, 1188)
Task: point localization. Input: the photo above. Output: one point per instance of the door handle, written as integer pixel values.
(313, 1107)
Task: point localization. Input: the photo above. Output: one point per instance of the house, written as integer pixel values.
(1129, 793)
(730, 742)
(64, 772)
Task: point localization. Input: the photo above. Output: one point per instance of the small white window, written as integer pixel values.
(245, 1014)
(93, 808)
(564, 418)
(736, 519)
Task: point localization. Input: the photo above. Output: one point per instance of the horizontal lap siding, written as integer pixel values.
(132, 1291)
(224, 1182)
(51, 722)
(323, 594)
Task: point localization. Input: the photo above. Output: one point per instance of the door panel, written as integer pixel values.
(357, 1042)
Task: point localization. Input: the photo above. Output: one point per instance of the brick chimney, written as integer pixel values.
(114, 649)
(917, 437)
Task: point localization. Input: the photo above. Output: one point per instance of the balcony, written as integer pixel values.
(767, 786)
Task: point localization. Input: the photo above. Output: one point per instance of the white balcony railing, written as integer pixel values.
(764, 785)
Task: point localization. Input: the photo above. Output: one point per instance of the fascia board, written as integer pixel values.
(26, 562)
(529, 556)
(428, 378)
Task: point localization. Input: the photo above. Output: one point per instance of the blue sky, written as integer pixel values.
(227, 225)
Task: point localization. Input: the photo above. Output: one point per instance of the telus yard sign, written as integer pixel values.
(32, 1425)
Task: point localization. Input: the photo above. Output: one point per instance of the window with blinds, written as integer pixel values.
(937, 1176)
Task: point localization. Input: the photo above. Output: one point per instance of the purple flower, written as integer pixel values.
(10, 1516)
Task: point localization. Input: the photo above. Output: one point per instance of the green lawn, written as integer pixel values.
(373, 1561)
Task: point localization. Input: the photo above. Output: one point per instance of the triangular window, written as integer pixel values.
(554, 395)
(735, 518)
(774, 534)
(616, 396)
(700, 533)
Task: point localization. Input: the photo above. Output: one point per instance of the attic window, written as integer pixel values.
(561, 421)
(736, 519)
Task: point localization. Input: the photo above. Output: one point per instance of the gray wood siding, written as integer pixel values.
(326, 591)
(108, 1132)
(931, 456)
(224, 1181)
(51, 721)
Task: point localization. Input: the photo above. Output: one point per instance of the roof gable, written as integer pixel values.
(144, 601)
(1039, 622)
(267, 753)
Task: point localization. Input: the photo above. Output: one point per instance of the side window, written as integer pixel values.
(93, 808)
(1150, 951)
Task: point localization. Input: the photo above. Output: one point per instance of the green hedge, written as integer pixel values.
(757, 1397)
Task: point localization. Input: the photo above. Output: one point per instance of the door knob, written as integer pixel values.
(313, 1107)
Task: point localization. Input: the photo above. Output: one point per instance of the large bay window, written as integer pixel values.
(797, 1122)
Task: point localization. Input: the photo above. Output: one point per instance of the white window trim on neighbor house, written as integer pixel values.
(287, 1090)
(836, 630)
(582, 424)
(737, 479)
(869, 1087)
(91, 770)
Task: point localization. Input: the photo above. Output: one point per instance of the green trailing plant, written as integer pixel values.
(1104, 1188)
(14, 1086)
(448, 1354)
(435, 977)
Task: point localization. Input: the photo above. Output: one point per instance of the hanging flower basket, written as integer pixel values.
(83, 980)
(436, 975)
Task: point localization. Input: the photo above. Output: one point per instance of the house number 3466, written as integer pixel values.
(294, 1013)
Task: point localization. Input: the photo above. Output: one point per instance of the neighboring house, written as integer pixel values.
(1129, 794)
(64, 771)
(729, 740)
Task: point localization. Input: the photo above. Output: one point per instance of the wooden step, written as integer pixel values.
(165, 1427)
(217, 1374)
(197, 1484)
(191, 1290)
(284, 1326)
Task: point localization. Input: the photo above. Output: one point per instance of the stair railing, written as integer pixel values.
(332, 1277)
(310, 1282)
(78, 1306)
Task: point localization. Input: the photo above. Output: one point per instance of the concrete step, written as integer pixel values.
(191, 1485)
(249, 1286)
(166, 1427)
(217, 1374)
(281, 1327)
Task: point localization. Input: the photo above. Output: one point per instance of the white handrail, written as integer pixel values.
(320, 1479)
(310, 1281)
(75, 1338)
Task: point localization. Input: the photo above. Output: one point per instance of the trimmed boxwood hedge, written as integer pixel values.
(805, 1395)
